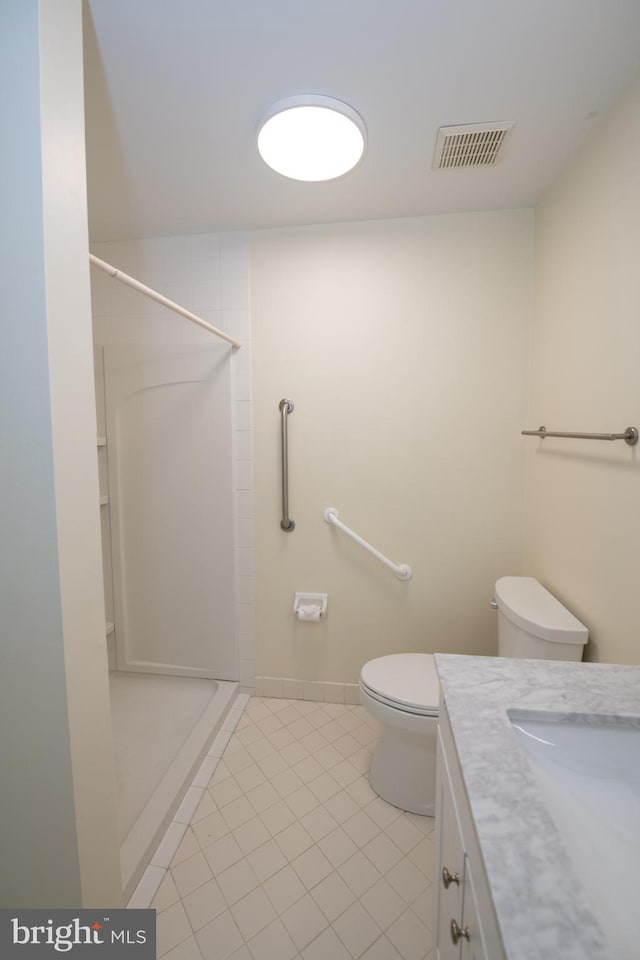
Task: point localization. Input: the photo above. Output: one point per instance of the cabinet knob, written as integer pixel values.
(457, 932)
(448, 878)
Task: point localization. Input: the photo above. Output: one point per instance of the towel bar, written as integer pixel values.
(629, 436)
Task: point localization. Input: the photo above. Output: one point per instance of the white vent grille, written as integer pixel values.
(470, 145)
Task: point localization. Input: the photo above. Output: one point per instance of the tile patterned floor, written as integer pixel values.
(290, 855)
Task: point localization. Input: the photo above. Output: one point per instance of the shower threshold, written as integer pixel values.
(162, 727)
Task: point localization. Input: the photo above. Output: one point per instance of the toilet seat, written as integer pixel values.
(403, 681)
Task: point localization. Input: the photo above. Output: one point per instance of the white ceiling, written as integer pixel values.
(175, 88)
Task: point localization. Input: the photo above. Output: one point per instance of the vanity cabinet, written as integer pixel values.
(465, 923)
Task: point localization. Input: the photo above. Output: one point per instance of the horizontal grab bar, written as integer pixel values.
(402, 570)
(629, 436)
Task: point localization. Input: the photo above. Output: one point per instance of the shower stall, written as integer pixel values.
(165, 450)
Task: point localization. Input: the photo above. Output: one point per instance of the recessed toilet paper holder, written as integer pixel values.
(310, 606)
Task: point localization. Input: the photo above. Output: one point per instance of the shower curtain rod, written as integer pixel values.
(154, 295)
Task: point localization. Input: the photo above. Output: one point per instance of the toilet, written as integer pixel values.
(402, 691)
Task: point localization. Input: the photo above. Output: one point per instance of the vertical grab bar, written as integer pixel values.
(285, 407)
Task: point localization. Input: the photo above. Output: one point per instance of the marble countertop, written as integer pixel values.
(541, 907)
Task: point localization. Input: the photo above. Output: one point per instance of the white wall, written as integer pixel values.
(59, 827)
(583, 529)
(207, 274)
(403, 345)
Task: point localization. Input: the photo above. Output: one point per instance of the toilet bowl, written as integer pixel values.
(402, 691)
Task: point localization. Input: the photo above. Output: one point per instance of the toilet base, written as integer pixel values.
(403, 769)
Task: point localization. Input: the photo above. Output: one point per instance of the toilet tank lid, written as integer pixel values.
(525, 602)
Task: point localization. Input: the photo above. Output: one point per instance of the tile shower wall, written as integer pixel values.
(209, 275)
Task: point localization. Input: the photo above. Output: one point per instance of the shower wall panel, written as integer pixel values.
(169, 441)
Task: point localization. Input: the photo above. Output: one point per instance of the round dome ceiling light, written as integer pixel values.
(312, 138)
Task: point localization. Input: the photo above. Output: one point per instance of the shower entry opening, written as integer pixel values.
(166, 458)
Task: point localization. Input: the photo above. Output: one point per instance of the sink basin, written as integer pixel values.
(589, 774)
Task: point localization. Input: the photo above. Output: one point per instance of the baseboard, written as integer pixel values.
(321, 691)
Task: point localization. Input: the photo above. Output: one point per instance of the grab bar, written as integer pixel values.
(287, 523)
(629, 436)
(402, 570)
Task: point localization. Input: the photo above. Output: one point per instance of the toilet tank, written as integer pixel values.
(533, 623)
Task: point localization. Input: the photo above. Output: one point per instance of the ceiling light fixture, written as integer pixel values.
(312, 138)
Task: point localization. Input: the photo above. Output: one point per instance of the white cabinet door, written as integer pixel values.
(168, 413)
(452, 860)
(466, 925)
(473, 947)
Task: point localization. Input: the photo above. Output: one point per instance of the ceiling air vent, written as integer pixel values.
(470, 145)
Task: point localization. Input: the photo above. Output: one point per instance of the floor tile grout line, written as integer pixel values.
(361, 804)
